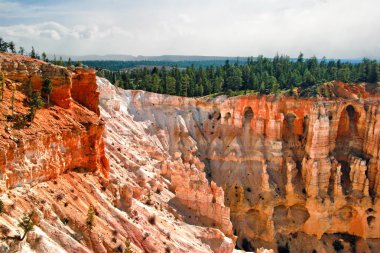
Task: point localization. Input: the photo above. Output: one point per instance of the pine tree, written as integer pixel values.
(147, 82)
(12, 47)
(170, 85)
(217, 84)
(156, 83)
(21, 51)
(69, 62)
(275, 88)
(60, 63)
(33, 53)
(185, 82)
(47, 89)
(3, 45)
(35, 103)
(26, 224)
(44, 56)
(262, 89)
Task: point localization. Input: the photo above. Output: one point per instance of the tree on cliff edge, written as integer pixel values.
(47, 88)
(35, 103)
(26, 223)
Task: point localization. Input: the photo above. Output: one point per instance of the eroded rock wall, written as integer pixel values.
(62, 137)
(286, 165)
(141, 193)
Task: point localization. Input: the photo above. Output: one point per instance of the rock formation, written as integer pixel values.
(188, 175)
(64, 137)
(287, 166)
(69, 159)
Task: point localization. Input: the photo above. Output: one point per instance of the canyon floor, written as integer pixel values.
(174, 174)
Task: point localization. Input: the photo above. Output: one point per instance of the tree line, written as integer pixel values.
(260, 74)
(11, 48)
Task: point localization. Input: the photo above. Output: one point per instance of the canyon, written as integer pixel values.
(175, 174)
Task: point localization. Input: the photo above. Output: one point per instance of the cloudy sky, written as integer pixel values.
(331, 28)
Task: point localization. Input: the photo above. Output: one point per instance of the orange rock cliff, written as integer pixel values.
(70, 159)
(292, 170)
(176, 174)
(67, 136)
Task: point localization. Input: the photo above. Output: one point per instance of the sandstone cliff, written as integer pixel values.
(64, 137)
(171, 173)
(288, 167)
(60, 165)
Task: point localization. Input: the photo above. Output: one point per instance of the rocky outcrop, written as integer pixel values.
(138, 188)
(65, 136)
(84, 89)
(286, 165)
(158, 162)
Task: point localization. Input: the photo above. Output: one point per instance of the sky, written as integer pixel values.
(331, 28)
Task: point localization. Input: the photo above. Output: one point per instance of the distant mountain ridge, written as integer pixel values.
(172, 58)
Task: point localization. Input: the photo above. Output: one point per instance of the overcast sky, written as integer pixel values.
(331, 28)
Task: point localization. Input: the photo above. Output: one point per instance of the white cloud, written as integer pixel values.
(332, 28)
(56, 31)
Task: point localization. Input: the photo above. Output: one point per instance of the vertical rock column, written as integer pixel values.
(316, 167)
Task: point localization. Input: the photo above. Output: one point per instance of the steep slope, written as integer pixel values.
(292, 170)
(59, 166)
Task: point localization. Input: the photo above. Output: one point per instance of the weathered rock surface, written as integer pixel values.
(172, 173)
(63, 137)
(286, 165)
(60, 165)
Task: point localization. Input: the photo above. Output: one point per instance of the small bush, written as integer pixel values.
(20, 121)
(128, 248)
(60, 196)
(149, 199)
(90, 217)
(26, 224)
(152, 220)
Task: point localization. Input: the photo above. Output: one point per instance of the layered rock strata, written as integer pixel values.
(286, 165)
(65, 136)
(60, 167)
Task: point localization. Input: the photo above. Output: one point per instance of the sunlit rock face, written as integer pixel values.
(288, 167)
(69, 159)
(187, 175)
(66, 136)
(154, 162)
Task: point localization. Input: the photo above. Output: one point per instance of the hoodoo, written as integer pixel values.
(292, 170)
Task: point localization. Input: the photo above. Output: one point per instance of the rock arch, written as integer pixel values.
(247, 115)
(349, 138)
(227, 118)
(288, 125)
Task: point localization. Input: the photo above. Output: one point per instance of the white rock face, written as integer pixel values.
(163, 155)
